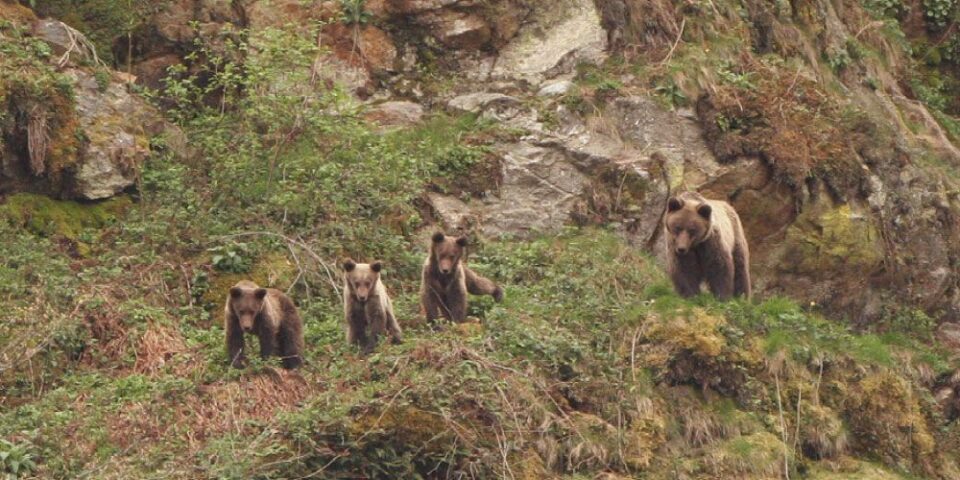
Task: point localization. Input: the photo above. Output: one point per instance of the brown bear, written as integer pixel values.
(367, 306)
(705, 241)
(446, 280)
(268, 314)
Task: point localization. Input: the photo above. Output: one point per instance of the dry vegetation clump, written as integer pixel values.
(212, 410)
(692, 348)
(789, 121)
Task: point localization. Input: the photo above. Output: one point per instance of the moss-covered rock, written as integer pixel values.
(756, 456)
(887, 420)
(273, 270)
(60, 218)
(850, 469)
(823, 243)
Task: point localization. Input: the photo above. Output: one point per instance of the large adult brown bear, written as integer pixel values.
(268, 314)
(446, 281)
(705, 242)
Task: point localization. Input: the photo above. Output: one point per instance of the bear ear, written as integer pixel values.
(705, 210)
(349, 265)
(439, 237)
(674, 204)
(376, 266)
(462, 241)
(236, 292)
(260, 293)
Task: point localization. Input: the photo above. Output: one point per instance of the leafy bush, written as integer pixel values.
(233, 258)
(354, 12)
(939, 12)
(16, 460)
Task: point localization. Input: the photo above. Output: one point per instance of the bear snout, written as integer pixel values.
(246, 325)
(682, 250)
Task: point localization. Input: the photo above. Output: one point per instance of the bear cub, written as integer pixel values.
(705, 242)
(367, 306)
(268, 314)
(446, 280)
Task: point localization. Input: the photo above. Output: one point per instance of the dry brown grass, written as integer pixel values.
(212, 411)
(786, 118)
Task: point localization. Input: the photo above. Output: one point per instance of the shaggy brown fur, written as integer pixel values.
(705, 241)
(367, 306)
(446, 281)
(268, 314)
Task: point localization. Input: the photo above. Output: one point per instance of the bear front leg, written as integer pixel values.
(456, 305)
(393, 328)
(741, 272)
(478, 285)
(235, 353)
(686, 275)
(369, 343)
(430, 305)
(376, 323)
(268, 342)
(720, 276)
(291, 345)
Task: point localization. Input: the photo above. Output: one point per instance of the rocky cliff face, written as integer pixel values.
(71, 127)
(798, 116)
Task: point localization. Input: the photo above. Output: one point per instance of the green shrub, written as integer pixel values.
(939, 12)
(16, 460)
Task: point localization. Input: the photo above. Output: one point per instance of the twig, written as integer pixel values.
(816, 391)
(299, 243)
(633, 355)
(793, 83)
(796, 435)
(783, 429)
(868, 26)
(78, 43)
(675, 43)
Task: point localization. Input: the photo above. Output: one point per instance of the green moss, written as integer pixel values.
(29, 86)
(855, 470)
(759, 455)
(840, 238)
(47, 217)
(273, 270)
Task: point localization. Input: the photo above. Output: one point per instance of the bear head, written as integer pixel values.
(687, 222)
(361, 278)
(246, 302)
(447, 252)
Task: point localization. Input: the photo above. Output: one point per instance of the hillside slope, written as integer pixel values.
(294, 134)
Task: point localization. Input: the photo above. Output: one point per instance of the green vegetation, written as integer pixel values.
(595, 370)
(112, 361)
(16, 461)
(33, 93)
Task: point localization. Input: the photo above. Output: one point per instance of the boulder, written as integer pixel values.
(555, 88)
(458, 30)
(480, 101)
(395, 114)
(151, 72)
(278, 13)
(554, 43)
(115, 124)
